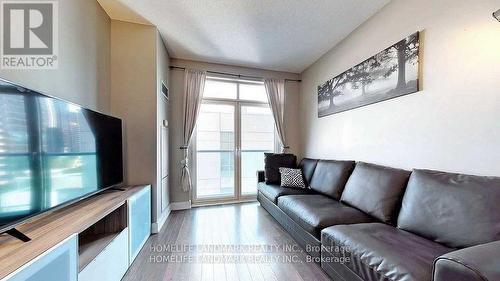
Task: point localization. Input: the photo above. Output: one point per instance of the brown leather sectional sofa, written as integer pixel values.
(368, 222)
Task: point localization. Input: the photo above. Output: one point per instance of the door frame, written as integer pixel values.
(238, 196)
(241, 104)
(194, 168)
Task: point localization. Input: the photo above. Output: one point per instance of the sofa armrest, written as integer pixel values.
(480, 262)
(261, 177)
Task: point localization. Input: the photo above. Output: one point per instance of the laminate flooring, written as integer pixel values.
(226, 242)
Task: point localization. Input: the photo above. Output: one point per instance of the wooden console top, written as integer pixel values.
(49, 229)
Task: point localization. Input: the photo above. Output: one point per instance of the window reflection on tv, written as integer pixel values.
(52, 152)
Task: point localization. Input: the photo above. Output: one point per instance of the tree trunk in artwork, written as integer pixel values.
(331, 101)
(401, 65)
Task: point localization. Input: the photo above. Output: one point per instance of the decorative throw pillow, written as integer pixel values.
(292, 178)
(274, 161)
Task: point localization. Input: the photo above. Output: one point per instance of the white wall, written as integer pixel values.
(133, 98)
(84, 57)
(176, 117)
(139, 62)
(453, 124)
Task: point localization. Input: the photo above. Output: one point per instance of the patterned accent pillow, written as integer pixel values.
(292, 178)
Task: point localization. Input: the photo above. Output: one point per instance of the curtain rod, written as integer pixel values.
(232, 74)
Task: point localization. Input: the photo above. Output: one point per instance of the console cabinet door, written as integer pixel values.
(139, 217)
(59, 263)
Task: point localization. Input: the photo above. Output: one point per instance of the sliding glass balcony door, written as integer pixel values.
(235, 128)
(257, 137)
(215, 151)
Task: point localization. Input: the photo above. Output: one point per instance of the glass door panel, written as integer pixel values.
(215, 151)
(257, 137)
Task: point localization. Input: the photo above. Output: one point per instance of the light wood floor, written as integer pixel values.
(231, 225)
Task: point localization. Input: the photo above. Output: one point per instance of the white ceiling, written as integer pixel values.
(282, 35)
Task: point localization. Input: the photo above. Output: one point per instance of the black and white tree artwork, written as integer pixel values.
(391, 73)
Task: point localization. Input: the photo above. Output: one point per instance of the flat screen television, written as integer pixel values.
(52, 153)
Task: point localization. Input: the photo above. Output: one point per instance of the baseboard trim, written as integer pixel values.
(230, 202)
(175, 206)
(157, 226)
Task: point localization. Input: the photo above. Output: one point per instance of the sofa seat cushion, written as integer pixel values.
(452, 209)
(315, 211)
(273, 191)
(376, 251)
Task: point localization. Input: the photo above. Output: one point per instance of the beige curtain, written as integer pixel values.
(275, 90)
(194, 83)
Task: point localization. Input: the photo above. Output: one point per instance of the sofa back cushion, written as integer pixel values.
(376, 190)
(308, 165)
(452, 209)
(273, 162)
(330, 176)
